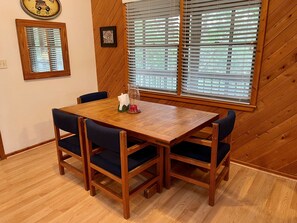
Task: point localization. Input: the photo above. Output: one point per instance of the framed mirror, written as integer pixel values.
(43, 49)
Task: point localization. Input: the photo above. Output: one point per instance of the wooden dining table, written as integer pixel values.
(160, 124)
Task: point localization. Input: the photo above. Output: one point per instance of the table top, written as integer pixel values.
(161, 124)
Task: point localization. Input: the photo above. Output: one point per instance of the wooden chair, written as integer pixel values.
(119, 162)
(211, 155)
(92, 97)
(72, 146)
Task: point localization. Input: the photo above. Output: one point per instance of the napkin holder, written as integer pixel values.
(124, 102)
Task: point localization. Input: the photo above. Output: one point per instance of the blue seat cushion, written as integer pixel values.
(71, 143)
(111, 162)
(200, 152)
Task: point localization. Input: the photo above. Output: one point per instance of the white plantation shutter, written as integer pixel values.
(152, 40)
(219, 46)
(45, 49)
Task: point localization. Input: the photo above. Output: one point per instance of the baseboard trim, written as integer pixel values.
(29, 148)
(34, 146)
(266, 170)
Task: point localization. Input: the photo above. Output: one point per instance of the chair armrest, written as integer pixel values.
(204, 142)
(137, 147)
(205, 133)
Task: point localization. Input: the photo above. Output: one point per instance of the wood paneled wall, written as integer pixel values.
(110, 62)
(268, 137)
(265, 138)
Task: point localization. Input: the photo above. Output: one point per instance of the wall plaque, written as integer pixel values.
(42, 9)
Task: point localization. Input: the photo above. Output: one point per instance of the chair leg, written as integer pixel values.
(91, 177)
(61, 168)
(212, 187)
(125, 198)
(92, 190)
(227, 165)
(86, 181)
(85, 174)
(160, 169)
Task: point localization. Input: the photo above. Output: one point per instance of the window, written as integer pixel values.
(43, 49)
(219, 47)
(153, 39)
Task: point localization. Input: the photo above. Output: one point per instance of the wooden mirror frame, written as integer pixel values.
(21, 26)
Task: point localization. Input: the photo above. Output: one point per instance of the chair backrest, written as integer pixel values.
(65, 121)
(92, 97)
(226, 125)
(104, 137)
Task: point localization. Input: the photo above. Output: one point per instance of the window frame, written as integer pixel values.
(178, 97)
(21, 25)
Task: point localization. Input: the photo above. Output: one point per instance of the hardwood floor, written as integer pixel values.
(31, 190)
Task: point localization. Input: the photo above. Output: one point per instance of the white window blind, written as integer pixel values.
(45, 49)
(219, 46)
(153, 38)
(127, 1)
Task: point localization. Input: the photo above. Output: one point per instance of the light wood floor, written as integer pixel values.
(31, 190)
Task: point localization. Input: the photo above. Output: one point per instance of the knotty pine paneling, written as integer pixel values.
(110, 62)
(265, 138)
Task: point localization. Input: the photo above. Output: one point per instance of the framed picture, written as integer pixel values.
(108, 36)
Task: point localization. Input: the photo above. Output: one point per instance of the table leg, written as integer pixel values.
(167, 167)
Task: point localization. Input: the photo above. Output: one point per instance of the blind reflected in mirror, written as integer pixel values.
(45, 49)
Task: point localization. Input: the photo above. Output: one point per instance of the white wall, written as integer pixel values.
(25, 106)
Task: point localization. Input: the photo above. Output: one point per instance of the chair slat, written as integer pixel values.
(203, 142)
(137, 147)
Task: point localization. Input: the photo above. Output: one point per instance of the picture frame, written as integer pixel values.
(108, 36)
